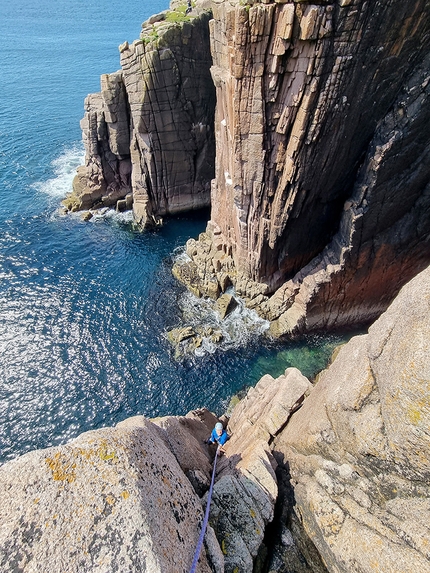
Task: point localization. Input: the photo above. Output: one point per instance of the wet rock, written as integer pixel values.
(187, 274)
(177, 335)
(86, 216)
(216, 337)
(225, 305)
(121, 205)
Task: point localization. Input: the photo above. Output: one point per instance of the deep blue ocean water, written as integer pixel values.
(84, 307)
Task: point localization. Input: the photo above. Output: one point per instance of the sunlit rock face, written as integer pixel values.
(320, 203)
(148, 134)
(114, 499)
(358, 449)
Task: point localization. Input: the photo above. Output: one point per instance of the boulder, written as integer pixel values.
(177, 335)
(225, 305)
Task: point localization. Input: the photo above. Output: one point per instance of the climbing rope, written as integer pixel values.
(205, 521)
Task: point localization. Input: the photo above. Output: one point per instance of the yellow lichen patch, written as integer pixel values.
(415, 411)
(223, 548)
(105, 454)
(252, 513)
(125, 494)
(86, 453)
(62, 470)
(37, 500)
(110, 499)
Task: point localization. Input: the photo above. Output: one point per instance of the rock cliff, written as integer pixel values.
(358, 451)
(148, 134)
(326, 477)
(320, 202)
(318, 150)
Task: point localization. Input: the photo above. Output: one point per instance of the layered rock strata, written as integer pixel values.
(320, 203)
(148, 134)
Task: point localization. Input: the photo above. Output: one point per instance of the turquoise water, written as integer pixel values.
(84, 307)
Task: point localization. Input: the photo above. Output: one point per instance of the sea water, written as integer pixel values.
(85, 306)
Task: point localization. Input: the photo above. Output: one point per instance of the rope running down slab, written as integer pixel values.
(205, 520)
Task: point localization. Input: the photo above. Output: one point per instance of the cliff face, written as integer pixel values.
(320, 200)
(358, 449)
(320, 203)
(148, 135)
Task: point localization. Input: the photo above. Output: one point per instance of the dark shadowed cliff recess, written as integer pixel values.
(320, 201)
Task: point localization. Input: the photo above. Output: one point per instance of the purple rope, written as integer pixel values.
(205, 521)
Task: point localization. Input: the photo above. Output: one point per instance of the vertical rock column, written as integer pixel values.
(171, 98)
(148, 134)
(105, 177)
(322, 171)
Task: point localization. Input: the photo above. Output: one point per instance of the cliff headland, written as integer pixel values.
(304, 127)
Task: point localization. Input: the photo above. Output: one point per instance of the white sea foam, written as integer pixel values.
(238, 328)
(180, 256)
(64, 168)
(111, 214)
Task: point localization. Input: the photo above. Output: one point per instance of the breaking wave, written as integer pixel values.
(64, 168)
(238, 329)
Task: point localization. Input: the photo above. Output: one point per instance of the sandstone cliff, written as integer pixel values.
(331, 477)
(320, 202)
(148, 134)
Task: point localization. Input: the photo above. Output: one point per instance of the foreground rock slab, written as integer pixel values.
(115, 499)
(246, 489)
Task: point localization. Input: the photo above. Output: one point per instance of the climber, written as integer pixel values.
(219, 436)
(189, 7)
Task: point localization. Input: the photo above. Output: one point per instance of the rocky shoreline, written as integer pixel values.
(305, 128)
(331, 476)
